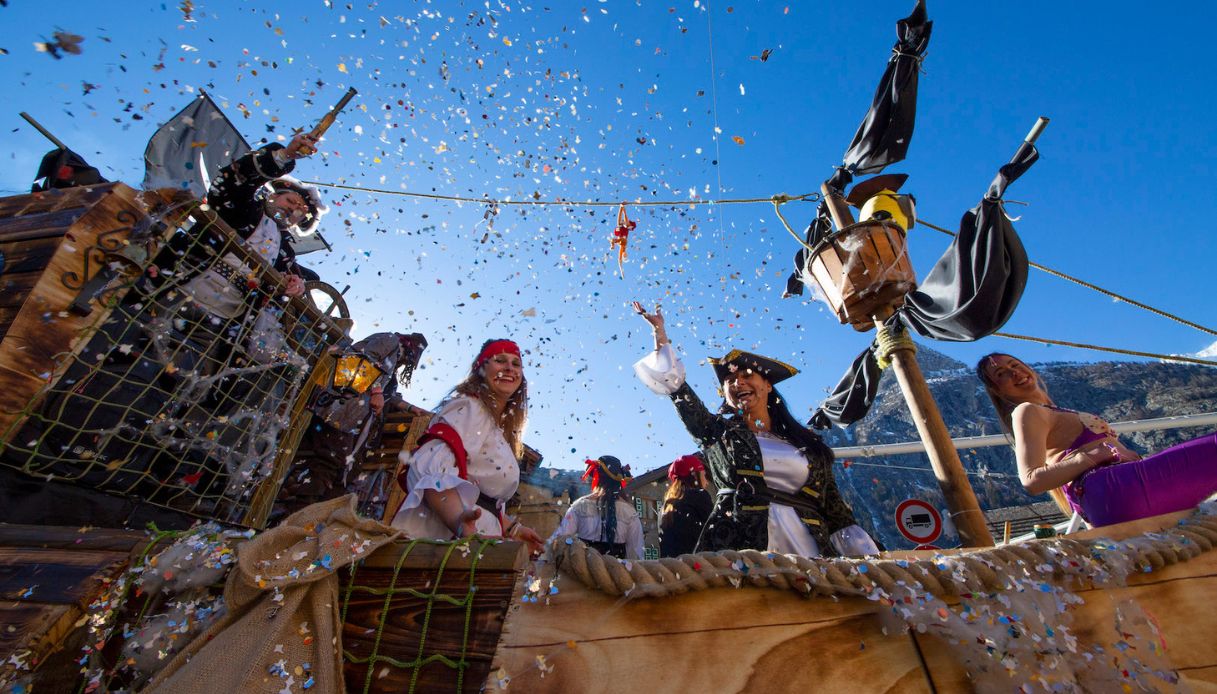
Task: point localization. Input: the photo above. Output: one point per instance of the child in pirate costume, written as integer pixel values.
(466, 467)
(776, 490)
(605, 519)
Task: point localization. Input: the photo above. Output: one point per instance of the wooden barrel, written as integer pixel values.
(861, 271)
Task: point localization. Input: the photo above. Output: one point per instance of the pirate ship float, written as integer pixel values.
(98, 420)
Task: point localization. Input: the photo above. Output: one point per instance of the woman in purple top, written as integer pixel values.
(1077, 458)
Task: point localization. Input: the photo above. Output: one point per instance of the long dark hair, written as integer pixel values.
(1005, 412)
(787, 427)
(515, 414)
(606, 493)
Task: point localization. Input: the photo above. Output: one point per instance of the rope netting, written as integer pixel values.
(188, 389)
(429, 595)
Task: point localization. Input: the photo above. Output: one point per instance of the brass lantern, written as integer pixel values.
(355, 372)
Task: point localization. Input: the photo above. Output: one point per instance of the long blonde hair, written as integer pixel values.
(1005, 413)
(514, 419)
(677, 490)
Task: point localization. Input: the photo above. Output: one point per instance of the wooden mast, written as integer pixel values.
(863, 312)
(961, 500)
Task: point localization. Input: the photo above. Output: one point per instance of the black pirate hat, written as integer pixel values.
(773, 370)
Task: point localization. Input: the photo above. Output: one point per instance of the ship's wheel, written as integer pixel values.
(328, 300)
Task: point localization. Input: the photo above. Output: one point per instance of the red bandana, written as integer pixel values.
(684, 466)
(496, 348)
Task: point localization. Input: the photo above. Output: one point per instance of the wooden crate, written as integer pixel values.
(385, 628)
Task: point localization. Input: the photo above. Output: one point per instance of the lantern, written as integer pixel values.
(355, 372)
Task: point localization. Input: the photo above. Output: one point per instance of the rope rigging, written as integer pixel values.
(780, 199)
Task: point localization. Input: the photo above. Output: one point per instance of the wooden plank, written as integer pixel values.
(773, 641)
(7, 315)
(39, 226)
(16, 286)
(28, 352)
(56, 576)
(52, 200)
(440, 630)
(19, 621)
(60, 537)
(27, 256)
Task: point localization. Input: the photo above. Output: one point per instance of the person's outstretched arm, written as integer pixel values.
(662, 372)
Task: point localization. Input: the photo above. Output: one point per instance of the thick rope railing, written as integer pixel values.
(943, 576)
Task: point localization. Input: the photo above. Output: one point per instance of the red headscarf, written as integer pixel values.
(684, 466)
(494, 349)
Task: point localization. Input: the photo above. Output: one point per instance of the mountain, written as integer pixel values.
(1116, 391)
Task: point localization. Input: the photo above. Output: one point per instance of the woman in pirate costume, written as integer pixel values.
(776, 490)
(467, 467)
(605, 519)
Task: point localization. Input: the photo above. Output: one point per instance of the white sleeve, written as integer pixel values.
(433, 466)
(853, 541)
(633, 539)
(661, 371)
(569, 524)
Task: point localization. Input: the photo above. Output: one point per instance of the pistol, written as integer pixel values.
(328, 119)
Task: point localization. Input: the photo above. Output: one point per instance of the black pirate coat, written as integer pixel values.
(234, 197)
(740, 519)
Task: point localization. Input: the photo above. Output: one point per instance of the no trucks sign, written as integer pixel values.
(918, 521)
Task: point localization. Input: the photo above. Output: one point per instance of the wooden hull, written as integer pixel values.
(754, 639)
(718, 640)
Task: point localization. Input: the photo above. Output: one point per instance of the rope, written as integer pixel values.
(978, 571)
(562, 203)
(782, 199)
(1113, 350)
(1088, 285)
(888, 341)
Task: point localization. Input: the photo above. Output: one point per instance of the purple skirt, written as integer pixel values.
(1175, 479)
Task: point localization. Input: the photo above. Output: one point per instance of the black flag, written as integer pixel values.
(189, 150)
(969, 293)
(884, 135)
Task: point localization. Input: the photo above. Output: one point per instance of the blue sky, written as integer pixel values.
(618, 101)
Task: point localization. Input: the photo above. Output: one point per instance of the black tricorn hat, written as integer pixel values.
(773, 370)
(867, 189)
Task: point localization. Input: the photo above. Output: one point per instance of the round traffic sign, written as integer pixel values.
(918, 521)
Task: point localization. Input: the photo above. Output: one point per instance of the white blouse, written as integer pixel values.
(583, 519)
(785, 470)
(492, 470)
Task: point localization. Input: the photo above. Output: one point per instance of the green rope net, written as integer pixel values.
(189, 389)
(397, 596)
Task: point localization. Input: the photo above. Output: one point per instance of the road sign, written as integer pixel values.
(918, 521)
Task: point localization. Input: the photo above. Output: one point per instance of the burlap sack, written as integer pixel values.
(282, 631)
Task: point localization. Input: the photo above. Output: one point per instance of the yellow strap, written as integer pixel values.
(814, 494)
(754, 508)
(751, 473)
(811, 521)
